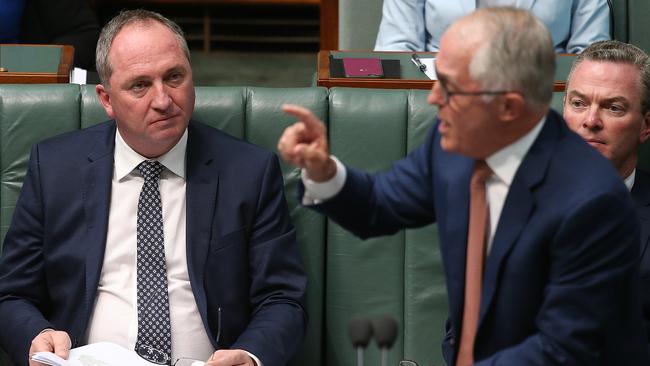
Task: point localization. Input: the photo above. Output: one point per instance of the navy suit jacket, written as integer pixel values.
(241, 247)
(561, 280)
(641, 196)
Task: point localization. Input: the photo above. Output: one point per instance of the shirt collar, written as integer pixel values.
(126, 159)
(505, 162)
(629, 181)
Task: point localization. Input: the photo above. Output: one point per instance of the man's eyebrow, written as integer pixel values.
(176, 68)
(618, 98)
(575, 93)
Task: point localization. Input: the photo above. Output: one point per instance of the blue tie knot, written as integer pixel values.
(150, 170)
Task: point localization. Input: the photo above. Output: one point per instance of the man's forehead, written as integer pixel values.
(457, 46)
(606, 70)
(615, 77)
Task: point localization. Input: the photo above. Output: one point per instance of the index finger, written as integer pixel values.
(305, 115)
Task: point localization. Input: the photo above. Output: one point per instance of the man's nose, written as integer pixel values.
(161, 100)
(592, 120)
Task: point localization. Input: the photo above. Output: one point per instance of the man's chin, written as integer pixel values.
(448, 145)
(600, 147)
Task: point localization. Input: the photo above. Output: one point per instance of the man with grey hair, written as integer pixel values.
(158, 241)
(607, 102)
(516, 196)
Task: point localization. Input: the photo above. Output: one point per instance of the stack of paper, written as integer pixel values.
(97, 354)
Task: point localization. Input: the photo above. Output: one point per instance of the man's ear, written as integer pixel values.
(512, 106)
(105, 100)
(645, 128)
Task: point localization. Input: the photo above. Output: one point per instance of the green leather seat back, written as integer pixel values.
(397, 275)
(28, 114)
(92, 111)
(425, 292)
(265, 122)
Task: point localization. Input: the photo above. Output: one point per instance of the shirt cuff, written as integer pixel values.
(318, 192)
(257, 360)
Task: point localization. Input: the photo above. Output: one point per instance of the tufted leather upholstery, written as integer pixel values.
(400, 275)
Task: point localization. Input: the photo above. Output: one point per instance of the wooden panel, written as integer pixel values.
(329, 25)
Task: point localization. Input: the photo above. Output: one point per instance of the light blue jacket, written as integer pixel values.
(417, 25)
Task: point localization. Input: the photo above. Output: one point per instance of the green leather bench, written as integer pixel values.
(399, 275)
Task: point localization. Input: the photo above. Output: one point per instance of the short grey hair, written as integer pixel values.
(516, 54)
(115, 25)
(620, 53)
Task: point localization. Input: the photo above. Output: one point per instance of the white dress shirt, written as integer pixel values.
(115, 315)
(504, 164)
(629, 181)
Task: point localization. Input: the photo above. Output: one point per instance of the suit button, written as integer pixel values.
(452, 342)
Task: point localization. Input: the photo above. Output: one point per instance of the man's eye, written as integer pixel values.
(577, 103)
(175, 78)
(139, 86)
(616, 109)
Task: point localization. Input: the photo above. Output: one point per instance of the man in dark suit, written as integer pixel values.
(559, 246)
(608, 103)
(77, 265)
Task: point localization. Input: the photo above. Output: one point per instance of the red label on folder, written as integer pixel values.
(363, 67)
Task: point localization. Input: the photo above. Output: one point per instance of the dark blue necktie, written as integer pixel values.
(154, 328)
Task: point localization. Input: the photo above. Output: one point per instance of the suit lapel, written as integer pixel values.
(641, 196)
(201, 196)
(456, 172)
(96, 192)
(518, 207)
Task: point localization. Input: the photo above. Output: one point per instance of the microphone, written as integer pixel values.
(360, 330)
(385, 333)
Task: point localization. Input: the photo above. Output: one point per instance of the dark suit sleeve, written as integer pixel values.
(277, 276)
(384, 203)
(23, 286)
(591, 297)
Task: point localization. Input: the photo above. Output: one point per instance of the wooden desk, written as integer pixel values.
(412, 78)
(35, 64)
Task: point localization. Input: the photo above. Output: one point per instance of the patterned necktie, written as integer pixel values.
(154, 328)
(478, 217)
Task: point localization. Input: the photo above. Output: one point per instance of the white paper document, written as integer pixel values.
(429, 71)
(97, 354)
(78, 76)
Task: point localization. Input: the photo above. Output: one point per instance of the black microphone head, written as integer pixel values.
(360, 330)
(385, 329)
